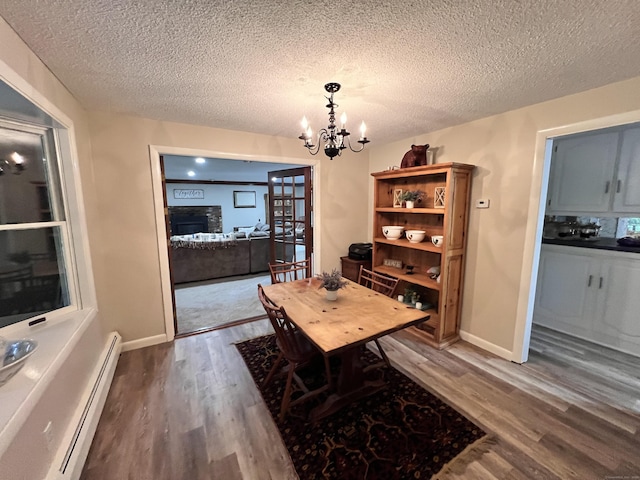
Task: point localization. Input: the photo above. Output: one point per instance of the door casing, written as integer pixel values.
(158, 201)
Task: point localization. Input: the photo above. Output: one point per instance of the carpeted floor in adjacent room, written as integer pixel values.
(217, 302)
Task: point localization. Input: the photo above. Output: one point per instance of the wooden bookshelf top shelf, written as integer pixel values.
(423, 170)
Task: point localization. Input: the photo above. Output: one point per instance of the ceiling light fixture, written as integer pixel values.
(335, 140)
(200, 160)
(15, 164)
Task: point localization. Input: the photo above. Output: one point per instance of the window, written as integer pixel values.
(628, 227)
(34, 235)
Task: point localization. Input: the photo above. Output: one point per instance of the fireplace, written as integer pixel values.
(188, 224)
(188, 220)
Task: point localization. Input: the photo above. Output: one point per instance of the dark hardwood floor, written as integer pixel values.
(190, 410)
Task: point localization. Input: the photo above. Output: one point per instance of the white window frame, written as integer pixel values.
(77, 263)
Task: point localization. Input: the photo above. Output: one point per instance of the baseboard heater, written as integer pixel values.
(80, 442)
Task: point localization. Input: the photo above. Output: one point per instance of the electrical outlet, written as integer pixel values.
(48, 436)
(482, 203)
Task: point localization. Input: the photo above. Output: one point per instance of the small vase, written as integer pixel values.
(332, 295)
(409, 203)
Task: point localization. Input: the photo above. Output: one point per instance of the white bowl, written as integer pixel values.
(14, 356)
(415, 236)
(392, 232)
(437, 240)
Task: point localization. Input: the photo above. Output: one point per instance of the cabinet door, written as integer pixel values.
(565, 293)
(619, 321)
(627, 187)
(583, 173)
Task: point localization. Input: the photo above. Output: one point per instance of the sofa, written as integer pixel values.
(242, 256)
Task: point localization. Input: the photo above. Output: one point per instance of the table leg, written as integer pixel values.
(352, 385)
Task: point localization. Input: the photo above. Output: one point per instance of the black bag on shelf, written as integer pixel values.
(360, 251)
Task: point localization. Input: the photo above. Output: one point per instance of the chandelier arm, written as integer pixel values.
(322, 136)
(312, 150)
(361, 142)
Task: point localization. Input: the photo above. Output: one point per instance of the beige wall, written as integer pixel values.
(127, 256)
(503, 149)
(120, 215)
(22, 61)
(21, 69)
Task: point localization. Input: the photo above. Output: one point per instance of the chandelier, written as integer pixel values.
(15, 164)
(335, 140)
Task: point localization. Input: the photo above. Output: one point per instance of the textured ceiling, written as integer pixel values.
(406, 68)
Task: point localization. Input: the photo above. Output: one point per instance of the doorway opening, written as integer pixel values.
(219, 227)
(535, 220)
(587, 278)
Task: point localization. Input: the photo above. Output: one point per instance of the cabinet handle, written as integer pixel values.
(600, 286)
(606, 186)
(590, 279)
(618, 187)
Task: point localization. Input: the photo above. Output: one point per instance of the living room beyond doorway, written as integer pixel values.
(217, 219)
(220, 302)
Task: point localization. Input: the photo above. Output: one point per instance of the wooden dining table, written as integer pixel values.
(342, 327)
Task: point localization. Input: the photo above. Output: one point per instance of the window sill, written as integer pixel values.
(19, 396)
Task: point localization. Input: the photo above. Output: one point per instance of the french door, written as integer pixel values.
(290, 214)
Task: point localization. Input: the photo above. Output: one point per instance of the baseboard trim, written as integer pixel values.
(488, 346)
(88, 415)
(144, 342)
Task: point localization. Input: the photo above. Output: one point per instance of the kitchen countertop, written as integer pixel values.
(602, 243)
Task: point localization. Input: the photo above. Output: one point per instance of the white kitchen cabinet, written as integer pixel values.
(590, 293)
(564, 298)
(627, 184)
(582, 174)
(596, 173)
(621, 304)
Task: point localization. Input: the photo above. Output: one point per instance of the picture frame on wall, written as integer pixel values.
(188, 193)
(244, 199)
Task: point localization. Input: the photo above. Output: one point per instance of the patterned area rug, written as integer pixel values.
(400, 432)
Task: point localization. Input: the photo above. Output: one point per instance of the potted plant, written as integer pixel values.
(331, 282)
(409, 197)
(411, 295)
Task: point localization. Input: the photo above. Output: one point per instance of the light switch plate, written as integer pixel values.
(482, 203)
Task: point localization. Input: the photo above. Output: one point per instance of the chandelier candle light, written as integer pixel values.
(15, 164)
(335, 140)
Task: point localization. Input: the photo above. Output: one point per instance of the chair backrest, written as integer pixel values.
(13, 281)
(288, 271)
(289, 342)
(377, 282)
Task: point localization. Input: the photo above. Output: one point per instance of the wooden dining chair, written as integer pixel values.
(13, 284)
(296, 350)
(288, 271)
(383, 285)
